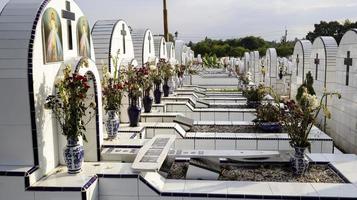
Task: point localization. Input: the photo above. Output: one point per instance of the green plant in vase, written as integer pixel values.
(113, 88)
(149, 71)
(134, 78)
(254, 96)
(298, 121)
(268, 117)
(69, 106)
(167, 72)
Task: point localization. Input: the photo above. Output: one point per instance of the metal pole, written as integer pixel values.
(166, 28)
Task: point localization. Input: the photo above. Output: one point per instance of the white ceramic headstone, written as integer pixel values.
(344, 110)
(160, 47)
(246, 62)
(109, 38)
(40, 38)
(255, 63)
(301, 61)
(271, 67)
(171, 52)
(322, 67)
(179, 45)
(144, 49)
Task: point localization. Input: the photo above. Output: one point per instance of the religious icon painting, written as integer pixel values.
(83, 37)
(52, 36)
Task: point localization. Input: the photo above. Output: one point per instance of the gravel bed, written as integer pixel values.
(267, 173)
(272, 173)
(226, 129)
(229, 106)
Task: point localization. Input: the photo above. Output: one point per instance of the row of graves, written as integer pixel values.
(198, 141)
(332, 68)
(270, 70)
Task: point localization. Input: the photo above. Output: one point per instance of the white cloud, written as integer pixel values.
(195, 19)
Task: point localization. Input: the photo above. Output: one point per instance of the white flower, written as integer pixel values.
(152, 67)
(311, 100)
(59, 79)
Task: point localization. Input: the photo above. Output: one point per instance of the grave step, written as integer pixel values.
(185, 122)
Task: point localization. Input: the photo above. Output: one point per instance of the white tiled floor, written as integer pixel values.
(251, 188)
(335, 190)
(293, 189)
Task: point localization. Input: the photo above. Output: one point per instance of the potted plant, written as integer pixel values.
(167, 73)
(298, 120)
(254, 96)
(69, 107)
(268, 117)
(147, 86)
(180, 71)
(191, 70)
(157, 80)
(112, 95)
(133, 83)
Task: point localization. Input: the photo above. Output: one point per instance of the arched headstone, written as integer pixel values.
(246, 62)
(344, 110)
(271, 67)
(144, 49)
(179, 45)
(160, 47)
(40, 38)
(171, 52)
(322, 68)
(111, 37)
(255, 60)
(301, 61)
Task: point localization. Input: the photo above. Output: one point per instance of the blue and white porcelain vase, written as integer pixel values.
(112, 123)
(73, 156)
(134, 112)
(157, 93)
(299, 162)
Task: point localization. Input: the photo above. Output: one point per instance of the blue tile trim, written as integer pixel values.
(30, 83)
(333, 168)
(90, 182)
(118, 175)
(64, 189)
(84, 195)
(122, 146)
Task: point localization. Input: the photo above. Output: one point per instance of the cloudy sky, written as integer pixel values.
(222, 19)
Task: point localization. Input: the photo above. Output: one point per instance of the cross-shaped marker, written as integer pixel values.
(348, 63)
(297, 64)
(317, 62)
(149, 38)
(123, 33)
(70, 16)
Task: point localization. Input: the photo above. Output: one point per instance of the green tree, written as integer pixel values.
(332, 28)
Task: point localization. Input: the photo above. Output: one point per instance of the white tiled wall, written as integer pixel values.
(12, 188)
(57, 195)
(110, 187)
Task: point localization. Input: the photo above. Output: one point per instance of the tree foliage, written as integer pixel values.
(237, 47)
(332, 28)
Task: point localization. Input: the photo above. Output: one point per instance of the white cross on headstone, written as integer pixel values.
(317, 62)
(348, 63)
(149, 38)
(70, 16)
(123, 33)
